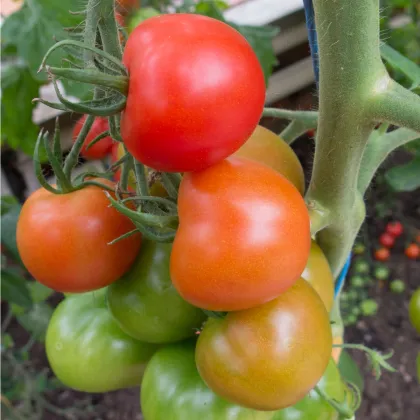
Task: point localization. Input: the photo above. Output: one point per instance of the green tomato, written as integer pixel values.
(359, 248)
(357, 281)
(381, 273)
(145, 303)
(362, 267)
(313, 406)
(397, 286)
(414, 310)
(173, 389)
(87, 350)
(369, 307)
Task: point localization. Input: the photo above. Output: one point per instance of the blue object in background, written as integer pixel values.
(341, 278)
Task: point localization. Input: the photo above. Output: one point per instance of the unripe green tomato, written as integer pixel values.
(353, 295)
(397, 286)
(361, 267)
(145, 303)
(381, 272)
(357, 281)
(369, 307)
(414, 310)
(359, 248)
(86, 349)
(356, 311)
(351, 319)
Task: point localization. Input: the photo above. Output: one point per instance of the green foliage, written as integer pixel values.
(404, 177)
(349, 370)
(9, 216)
(14, 288)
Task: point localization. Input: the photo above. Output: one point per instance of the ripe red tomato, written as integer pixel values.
(382, 254)
(196, 92)
(394, 228)
(99, 150)
(387, 240)
(412, 251)
(243, 236)
(267, 147)
(63, 239)
(270, 356)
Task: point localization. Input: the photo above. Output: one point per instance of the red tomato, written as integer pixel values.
(418, 238)
(395, 228)
(268, 357)
(243, 236)
(196, 92)
(382, 254)
(387, 240)
(63, 239)
(99, 150)
(412, 251)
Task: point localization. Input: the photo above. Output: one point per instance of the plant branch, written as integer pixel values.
(395, 104)
(350, 66)
(377, 150)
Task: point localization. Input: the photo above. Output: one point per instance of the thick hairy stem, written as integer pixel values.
(395, 104)
(109, 29)
(92, 20)
(377, 150)
(350, 66)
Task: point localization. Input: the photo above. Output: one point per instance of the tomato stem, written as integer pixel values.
(342, 408)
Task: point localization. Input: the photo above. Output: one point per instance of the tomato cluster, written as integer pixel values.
(242, 250)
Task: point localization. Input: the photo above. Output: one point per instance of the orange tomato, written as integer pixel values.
(268, 357)
(63, 239)
(267, 147)
(318, 273)
(243, 236)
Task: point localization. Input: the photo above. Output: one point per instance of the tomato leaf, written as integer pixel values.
(39, 292)
(349, 370)
(36, 320)
(404, 177)
(8, 231)
(401, 63)
(7, 202)
(14, 289)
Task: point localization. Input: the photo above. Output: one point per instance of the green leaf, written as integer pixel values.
(39, 292)
(7, 341)
(18, 90)
(8, 231)
(36, 320)
(401, 63)
(14, 289)
(7, 202)
(404, 177)
(350, 371)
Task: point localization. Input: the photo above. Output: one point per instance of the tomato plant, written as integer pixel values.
(172, 388)
(63, 239)
(243, 236)
(88, 351)
(172, 120)
(318, 273)
(414, 310)
(243, 357)
(103, 147)
(266, 147)
(145, 303)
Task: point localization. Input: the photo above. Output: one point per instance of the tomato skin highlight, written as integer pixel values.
(268, 357)
(87, 350)
(243, 236)
(267, 147)
(199, 109)
(414, 310)
(145, 303)
(99, 150)
(173, 389)
(318, 273)
(63, 239)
